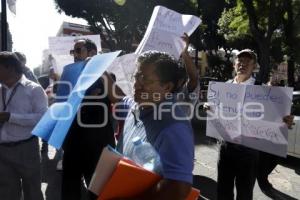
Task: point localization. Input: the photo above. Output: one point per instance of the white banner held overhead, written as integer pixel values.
(123, 68)
(165, 30)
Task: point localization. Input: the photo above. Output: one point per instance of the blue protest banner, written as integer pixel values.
(66, 84)
(47, 123)
(66, 113)
(64, 122)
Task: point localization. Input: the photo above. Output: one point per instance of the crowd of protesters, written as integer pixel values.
(158, 75)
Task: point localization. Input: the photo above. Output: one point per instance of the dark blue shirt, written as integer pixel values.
(68, 80)
(172, 138)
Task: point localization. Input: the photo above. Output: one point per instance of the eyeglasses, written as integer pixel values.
(140, 78)
(76, 50)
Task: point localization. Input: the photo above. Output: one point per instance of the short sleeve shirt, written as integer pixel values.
(171, 138)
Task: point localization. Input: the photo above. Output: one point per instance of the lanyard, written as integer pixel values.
(5, 104)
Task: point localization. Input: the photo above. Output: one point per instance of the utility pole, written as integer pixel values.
(3, 26)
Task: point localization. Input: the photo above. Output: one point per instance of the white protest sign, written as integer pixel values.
(63, 45)
(269, 137)
(165, 42)
(276, 100)
(163, 34)
(61, 61)
(165, 29)
(229, 120)
(249, 115)
(124, 67)
(174, 22)
(60, 47)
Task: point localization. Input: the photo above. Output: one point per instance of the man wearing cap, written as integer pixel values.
(238, 164)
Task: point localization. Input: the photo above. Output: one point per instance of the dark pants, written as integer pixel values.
(82, 149)
(237, 165)
(267, 163)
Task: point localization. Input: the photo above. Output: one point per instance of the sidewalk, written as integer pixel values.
(283, 178)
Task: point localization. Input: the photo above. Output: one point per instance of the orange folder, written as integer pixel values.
(129, 180)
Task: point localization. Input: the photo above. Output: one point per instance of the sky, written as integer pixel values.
(34, 22)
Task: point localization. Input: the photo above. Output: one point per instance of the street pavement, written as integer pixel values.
(284, 178)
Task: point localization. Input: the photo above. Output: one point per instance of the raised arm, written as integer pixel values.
(189, 65)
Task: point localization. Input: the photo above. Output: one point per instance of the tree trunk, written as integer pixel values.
(289, 38)
(263, 37)
(264, 60)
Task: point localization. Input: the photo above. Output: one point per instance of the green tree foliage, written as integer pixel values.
(207, 38)
(234, 26)
(269, 27)
(219, 67)
(252, 24)
(120, 26)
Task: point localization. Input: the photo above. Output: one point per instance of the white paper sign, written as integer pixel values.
(61, 61)
(124, 67)
(63, 45)
(60, 47)
(249, 115)
(163, 34)
(165, 29)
